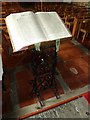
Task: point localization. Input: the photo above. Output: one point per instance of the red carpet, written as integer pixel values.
(6, 100)
(71, 56)
(74, 81)
(87, 96)
(69, 51)
(24, 89)
(15, 59)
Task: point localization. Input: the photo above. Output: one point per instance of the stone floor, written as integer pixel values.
(75, 109)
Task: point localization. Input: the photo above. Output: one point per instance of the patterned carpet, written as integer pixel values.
(17, 79)
(24, 88)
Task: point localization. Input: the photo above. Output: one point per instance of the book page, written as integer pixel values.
(15, 37)
(24, 29)
(52, 25)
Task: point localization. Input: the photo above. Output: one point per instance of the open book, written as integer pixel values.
(28, 28)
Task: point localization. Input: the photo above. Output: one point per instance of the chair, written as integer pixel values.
(85, 30)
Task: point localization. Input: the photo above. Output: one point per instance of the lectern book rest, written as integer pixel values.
(28, 28)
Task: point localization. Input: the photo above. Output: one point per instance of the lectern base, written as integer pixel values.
(44, 70)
